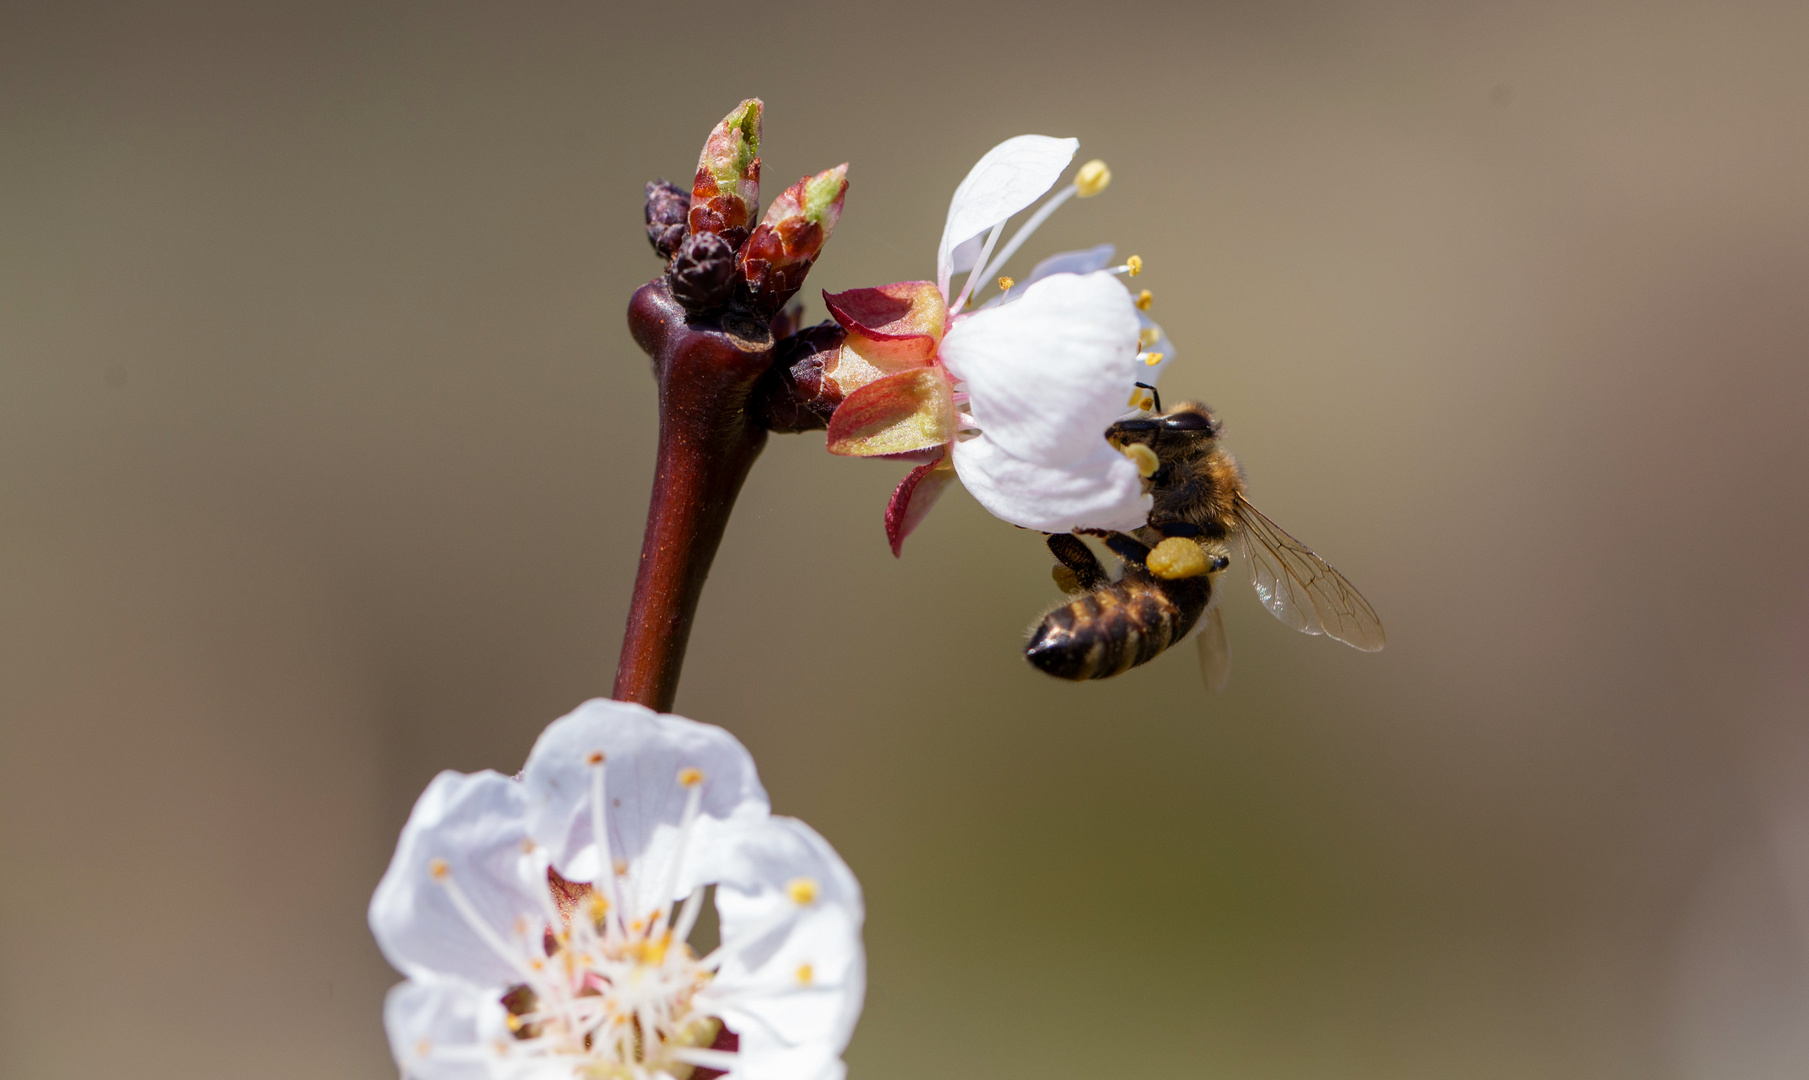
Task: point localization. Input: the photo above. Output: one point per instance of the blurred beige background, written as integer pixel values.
(324, 452)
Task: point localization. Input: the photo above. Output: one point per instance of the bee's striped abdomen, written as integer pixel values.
(1116, 627)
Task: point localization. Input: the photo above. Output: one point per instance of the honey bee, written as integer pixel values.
(1112, 626)
(1197, 495)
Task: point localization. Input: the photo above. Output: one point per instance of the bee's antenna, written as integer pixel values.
(1153, 394)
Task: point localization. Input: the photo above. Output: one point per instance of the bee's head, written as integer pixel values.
(1187, 425)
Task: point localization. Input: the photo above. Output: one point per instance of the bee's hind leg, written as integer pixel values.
(1132, 550)
(1072, 553)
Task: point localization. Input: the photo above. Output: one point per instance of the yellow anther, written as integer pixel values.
(1005, 284)
(595, 757)
(1154, 358)
(1134, 265)
(513, 1021)
(690, 777)
(621, 867)
(1148, 336)
(423, 1048)
(1177, 557)
(803, 891)
(1065, 579)
(1144, 458)
(806, 974)
(439, 869)
(1092, 179)
(1136, 401)
(1144, 300)
(537, 963)
(527, 847)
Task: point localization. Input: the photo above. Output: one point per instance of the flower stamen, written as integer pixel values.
(976, 273)
(692, 781)
(725, 1060)
(1091, 179)
(600, 831)
(442, 874)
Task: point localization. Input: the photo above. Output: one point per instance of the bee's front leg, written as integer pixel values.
(1072, 553)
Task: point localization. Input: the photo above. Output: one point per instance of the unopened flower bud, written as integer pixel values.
(702, 273)
(668, 205)
(726, 194)
(803, 394)
(779, 254)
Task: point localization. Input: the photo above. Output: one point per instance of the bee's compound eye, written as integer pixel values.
(1188, 421)
(1134, 425)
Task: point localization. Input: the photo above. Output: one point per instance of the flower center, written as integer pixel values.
(620, 998)
(608, 981)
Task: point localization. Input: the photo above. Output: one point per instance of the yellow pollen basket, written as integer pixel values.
(1092, 178)
(803, 891)
(1177, 557)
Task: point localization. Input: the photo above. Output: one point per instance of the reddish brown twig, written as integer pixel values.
(723, 383)
(706, 371)
(710, 323)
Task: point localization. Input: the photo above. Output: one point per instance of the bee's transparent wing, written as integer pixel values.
(1301, 589)
(1215, 651)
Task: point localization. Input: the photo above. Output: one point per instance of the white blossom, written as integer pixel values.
(1029, 381)
(543, 922)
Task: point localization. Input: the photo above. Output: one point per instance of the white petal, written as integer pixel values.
(434, 1029)
(767, 1002)
(764, 1059)
(1101, 491)
(477, 824)
(966, 254)
(1085, 261)
(1048, 373)
(644, 753)
(1010, 176)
